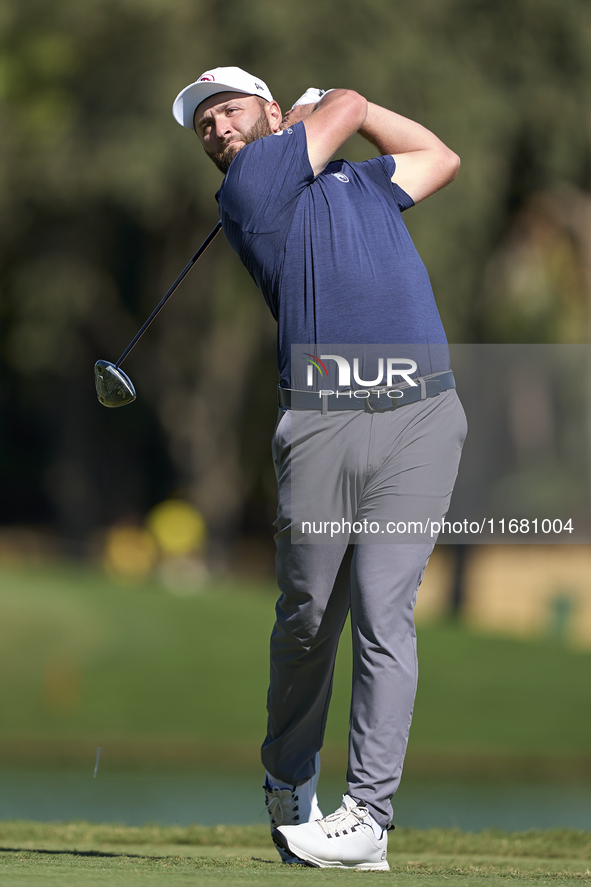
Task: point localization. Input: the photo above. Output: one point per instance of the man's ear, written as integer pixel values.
(274, 115)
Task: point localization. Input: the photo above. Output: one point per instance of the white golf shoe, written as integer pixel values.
(292, 806)
(347, 839)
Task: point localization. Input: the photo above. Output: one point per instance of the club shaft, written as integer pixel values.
(167, 295)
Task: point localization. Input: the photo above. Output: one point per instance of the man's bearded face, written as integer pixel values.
(229, 149)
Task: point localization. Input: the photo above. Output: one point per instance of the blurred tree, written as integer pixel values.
(103, 199)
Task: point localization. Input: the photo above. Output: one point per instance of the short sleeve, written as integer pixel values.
(381, 169)
(265, 179)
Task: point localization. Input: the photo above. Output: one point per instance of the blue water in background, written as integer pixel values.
(180, 798)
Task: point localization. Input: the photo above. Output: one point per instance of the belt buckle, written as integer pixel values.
(371, 409)
(391, 403)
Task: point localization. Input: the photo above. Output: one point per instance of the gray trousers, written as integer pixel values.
(387, 468)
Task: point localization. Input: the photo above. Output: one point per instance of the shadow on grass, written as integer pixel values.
(100, 853)
(78, 853)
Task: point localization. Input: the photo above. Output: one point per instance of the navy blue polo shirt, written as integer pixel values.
(331, 254)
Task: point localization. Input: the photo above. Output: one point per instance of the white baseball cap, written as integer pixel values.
(216, 80)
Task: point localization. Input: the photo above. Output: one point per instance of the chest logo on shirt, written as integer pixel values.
(340, 176)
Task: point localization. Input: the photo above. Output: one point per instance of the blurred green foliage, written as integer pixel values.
(103, 198)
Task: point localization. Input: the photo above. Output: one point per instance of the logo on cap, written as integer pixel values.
(258, 86)
(208, 77)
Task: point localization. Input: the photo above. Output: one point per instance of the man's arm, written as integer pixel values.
(329, 123)
(423, 163)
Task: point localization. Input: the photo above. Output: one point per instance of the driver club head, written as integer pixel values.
(113, 387)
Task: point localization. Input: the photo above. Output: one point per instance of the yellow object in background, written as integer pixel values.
(178, 527)
(130, 553)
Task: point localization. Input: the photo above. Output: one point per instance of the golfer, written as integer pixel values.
(325, 242)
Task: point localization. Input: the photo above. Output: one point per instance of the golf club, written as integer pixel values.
(114, 388)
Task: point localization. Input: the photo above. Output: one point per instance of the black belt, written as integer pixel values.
(372, 400)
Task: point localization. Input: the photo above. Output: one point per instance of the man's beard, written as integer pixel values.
(224, 158)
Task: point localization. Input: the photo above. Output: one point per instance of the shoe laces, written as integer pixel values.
(283, 806)
(344, 820)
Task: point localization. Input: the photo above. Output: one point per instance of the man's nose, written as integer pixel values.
(222, 127)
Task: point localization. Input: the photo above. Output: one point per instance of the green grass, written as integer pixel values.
(85, 661)
(80, 855)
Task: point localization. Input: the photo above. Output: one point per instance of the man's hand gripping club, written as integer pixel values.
(330, 117)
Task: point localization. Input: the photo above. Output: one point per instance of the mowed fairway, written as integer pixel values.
(82, 855)
(145, 674)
